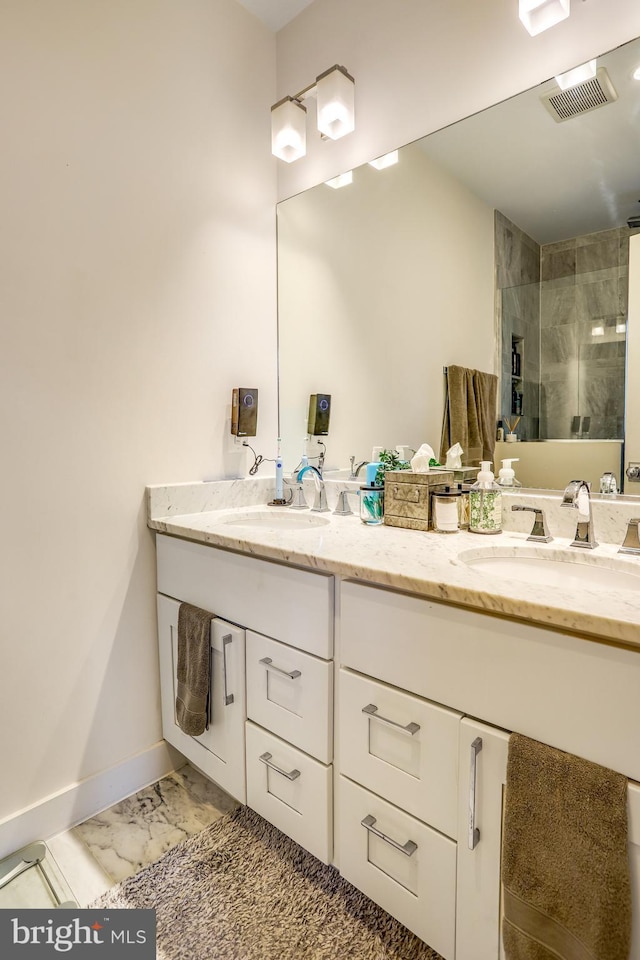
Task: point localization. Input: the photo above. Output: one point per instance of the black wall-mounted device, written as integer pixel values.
(244, 412)
(319, 413)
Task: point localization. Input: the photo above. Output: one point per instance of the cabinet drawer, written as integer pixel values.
(285, 602)
(402, 747)
(290, 693)
(416, 884)
(290, 790)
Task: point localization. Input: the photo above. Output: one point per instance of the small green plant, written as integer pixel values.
(390, 460)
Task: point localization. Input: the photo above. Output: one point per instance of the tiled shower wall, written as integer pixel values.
(518, 314)
(583, 313)
(567, 303)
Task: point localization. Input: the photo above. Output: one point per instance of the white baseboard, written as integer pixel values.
(85, 798)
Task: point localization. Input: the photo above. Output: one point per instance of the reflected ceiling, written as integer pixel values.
(554, 180)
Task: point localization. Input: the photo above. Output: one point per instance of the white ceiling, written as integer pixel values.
(275, 13)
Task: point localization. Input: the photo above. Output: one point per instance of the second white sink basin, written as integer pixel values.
(278, 519)
(564, 568)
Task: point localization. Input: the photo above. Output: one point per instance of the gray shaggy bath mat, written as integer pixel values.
(241, 890)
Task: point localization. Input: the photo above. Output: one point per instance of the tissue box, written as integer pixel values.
(461, 474)
(407, 497)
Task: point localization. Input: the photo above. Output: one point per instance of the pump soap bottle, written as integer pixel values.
(485, 502)
(506, 476)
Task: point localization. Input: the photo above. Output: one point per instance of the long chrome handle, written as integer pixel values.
(270, 665)
(408, 848)
(372, 711)
(474, 832)
(266, 759)
(228, 697)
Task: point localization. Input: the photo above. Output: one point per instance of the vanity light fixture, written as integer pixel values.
(597, 331)
(621, 327)
(586, 71)
(388, 160)
(539, 15)
(334, 91)
(342, 180)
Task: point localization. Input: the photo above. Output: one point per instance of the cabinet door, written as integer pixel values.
(482, 775)
(219, 751)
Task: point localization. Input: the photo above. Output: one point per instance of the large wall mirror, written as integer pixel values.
(499, 243)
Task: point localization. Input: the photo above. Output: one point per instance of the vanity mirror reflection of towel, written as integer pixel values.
(469, 414)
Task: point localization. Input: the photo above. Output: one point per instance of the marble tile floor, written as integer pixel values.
(117, 843)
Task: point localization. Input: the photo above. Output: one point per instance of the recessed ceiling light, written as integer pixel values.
(578, 75)
(539, 15)
(342, 180)
(387, 160)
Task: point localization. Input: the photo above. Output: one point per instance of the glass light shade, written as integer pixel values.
(578, 75)
(288, 130)
(621, 327)
(387, 160)
(539, 15)
(342, 180)
(335, 98)
(597, 331)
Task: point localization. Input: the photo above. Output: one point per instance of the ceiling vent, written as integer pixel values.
(584, 97)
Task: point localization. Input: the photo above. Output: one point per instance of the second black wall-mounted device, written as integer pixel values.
(244, 412)
(319, 413)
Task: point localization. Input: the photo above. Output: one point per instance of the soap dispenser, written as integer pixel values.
(506, 476)
(485, 502)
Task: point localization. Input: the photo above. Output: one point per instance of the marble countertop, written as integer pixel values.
(423, 563)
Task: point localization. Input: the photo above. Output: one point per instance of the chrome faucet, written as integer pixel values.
(320, 501)
(578, 495)
(539, 533)
(356, 467)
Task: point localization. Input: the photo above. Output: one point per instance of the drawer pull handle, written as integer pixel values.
(228, 697)
(372, 711)
(474, 832)
(270, 665)
(408, 848)
(266, 759)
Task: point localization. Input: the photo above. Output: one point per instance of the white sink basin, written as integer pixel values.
(278, 519)
(560, 568)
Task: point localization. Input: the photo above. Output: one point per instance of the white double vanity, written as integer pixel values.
(365, 682)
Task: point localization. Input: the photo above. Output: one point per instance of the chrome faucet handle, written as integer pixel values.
(539, 533)
(631, 542)
(343, 507)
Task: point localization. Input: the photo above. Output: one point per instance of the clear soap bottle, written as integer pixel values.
(506, 476)
(485, 502)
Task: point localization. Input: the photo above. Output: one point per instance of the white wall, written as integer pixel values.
(421, 65)
(137, 286)
(374, 281)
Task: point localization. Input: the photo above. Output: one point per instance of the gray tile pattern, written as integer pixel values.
(581, 286)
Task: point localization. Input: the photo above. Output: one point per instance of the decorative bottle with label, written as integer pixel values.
(485, 502)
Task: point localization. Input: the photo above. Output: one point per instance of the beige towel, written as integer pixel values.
(469, 414)
(194, 669)
(565, 866)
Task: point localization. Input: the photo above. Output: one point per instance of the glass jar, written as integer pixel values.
(463, 507)
(444, 511)
(372, 505)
